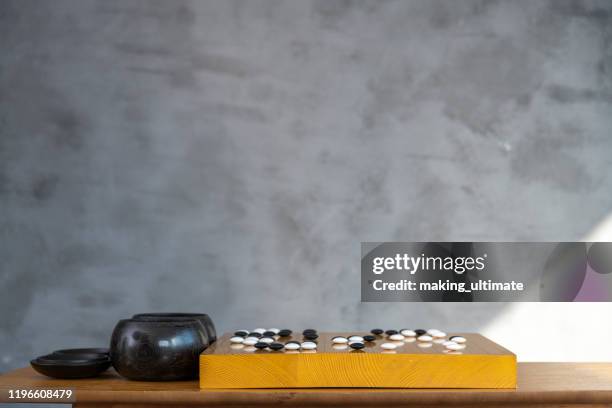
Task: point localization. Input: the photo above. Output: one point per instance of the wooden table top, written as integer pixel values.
(538, 383)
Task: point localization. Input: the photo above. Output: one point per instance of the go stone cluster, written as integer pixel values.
(263, 339)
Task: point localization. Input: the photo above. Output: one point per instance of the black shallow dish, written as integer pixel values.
(91, 350)
(72, 358)
(71, 367)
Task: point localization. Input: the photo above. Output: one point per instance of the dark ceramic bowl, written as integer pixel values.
(157, 350)
(202, 317)
(71, 367)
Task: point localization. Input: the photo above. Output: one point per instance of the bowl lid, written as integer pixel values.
(89, 350)
(71, 359)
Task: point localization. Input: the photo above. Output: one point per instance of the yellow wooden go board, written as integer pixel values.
(413, 364)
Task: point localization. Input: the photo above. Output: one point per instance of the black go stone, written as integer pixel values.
(369, 337)
(261, 345)
(285, 333)
(269, 333)
(309, 331)
(357, 345)
(255, 334)
(376, 331)
(391, 332)
(420, 332)
(241, 333)
(311, 336)
(277, 346)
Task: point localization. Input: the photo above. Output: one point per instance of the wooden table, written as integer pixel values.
(539, 385)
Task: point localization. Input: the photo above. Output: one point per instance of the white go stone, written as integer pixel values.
(436, 334)
(355, 338)
(388, 346)
(250, 341)
(396, 337)
(455, 347)
(408, 333)
(309, 345)
(340, 340)
(274, 330)
(237, 340)
(448, 342)
(259, 330)
(267, 340)
(458, 339)
(425, 337)
(292, 346)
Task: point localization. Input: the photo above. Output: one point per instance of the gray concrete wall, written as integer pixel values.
(230, 156)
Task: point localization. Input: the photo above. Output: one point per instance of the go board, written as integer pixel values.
(479, 363)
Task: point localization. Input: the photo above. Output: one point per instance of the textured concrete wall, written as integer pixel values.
(230, 156)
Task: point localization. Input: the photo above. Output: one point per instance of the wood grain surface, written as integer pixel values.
(414, 364)
(539, 384)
